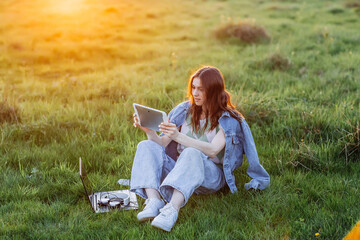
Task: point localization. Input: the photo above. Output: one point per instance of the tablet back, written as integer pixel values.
(150, 117)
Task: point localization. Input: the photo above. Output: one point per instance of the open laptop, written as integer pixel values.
(108, 200)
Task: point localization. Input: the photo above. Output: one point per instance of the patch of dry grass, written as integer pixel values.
(275, 61)
(352, 5)
(9, 113)
(248, 33)
(303, 156)
(278, 62)
(351, 148)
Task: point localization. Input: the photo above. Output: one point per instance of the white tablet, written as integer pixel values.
(150, 117)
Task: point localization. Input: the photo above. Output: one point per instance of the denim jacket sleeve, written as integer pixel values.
(260, 178)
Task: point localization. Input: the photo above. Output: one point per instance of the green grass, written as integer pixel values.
(70, 78)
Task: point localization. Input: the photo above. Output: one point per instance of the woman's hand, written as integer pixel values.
(136, 124)
(169, 129)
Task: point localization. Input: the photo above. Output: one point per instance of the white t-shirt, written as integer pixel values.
(208, 136)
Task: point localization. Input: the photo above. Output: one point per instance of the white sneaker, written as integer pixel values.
(151, 209)
(167, 218)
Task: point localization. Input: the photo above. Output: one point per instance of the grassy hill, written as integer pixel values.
(70, 71)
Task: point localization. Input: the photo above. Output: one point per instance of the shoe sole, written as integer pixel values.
(144, 219)
(160, 226)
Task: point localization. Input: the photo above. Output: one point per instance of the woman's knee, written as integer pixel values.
(191, 152)
(148, 151)
(191, 155)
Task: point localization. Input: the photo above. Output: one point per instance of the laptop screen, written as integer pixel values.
(85, 180)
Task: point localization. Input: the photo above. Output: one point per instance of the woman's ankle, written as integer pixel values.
(152, 193)
(177, 199)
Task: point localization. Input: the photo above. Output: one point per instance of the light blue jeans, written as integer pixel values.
(192, 172)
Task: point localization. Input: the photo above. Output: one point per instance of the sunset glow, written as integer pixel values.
(66, 6)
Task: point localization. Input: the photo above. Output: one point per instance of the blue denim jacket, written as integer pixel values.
(238, 140)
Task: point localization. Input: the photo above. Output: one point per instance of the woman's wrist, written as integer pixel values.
(179, 138)
(176, 136)
(150, 133)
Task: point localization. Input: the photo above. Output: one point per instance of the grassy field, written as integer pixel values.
(70, 71)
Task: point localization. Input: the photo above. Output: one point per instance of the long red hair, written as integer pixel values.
(217, 99)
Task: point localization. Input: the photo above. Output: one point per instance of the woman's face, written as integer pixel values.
(198, 92)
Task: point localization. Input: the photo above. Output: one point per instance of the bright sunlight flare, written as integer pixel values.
(66, 6)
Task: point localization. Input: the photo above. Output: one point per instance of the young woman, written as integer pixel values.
(199, 148)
